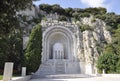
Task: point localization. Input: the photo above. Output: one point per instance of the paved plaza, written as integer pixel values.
(82, 79)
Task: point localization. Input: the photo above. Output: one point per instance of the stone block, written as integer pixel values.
(8, 70)
(23, 71)
(89, 69)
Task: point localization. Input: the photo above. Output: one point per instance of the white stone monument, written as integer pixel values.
(59, 52)
(23, 71)
(67, 49)
(8, 70)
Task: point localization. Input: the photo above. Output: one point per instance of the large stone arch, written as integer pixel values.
(58, 34)
(58, 40)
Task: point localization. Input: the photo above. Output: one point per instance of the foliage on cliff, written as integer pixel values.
(71, 12)
(111, 19)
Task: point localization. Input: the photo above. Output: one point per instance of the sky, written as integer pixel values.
(110, 5)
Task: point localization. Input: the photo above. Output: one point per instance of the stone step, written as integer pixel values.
(60, 68)
(64, 76)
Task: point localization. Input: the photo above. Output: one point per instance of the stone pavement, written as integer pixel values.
(82, 79)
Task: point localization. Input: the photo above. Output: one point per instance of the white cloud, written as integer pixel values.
(97, 3)
(94, 3)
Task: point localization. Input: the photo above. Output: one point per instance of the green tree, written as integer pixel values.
(10, 32)
(84, 27)
(108, 62)
(116, 40)
(11, 49)
(33, 49)
(68, 12)
(95, 11)
(46, 7)
(62, 18)
(118, 66)
(85, 14)
(57, 9)
(76, 15)
(8, 18)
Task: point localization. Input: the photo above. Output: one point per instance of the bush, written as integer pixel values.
(62, 18)
(84, 27)
(33, 50)
(85, 14)
(108, 62)
(118, 66)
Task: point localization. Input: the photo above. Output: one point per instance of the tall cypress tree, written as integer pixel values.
(34, 48)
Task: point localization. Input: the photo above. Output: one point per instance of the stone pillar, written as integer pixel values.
(103, 71)
(23, 71)
(96, 71)
(53, 54)
(82, 67)
(56, 54)
(8, 70)
(89, 68)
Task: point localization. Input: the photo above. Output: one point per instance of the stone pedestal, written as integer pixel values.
(23, 71)
(89, 69)
(103, 71)
(57, 66)
(8, 70)
(82, 67)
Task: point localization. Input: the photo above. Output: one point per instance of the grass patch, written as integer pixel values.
(1, 77)
(15, 75)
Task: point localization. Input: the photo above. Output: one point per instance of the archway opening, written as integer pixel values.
(58, 51)
(58, 46)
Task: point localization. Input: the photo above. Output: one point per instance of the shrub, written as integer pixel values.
(33, 49)
(108, 62)
(118, 66)
(62, 18)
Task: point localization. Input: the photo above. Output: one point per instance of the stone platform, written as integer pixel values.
(61, 76)
(80, 78)
(57, 67)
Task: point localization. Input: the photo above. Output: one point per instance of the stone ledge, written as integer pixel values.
(25, 78)
(110, 75)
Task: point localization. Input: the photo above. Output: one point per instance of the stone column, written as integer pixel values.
(103, 71)
(89, 68)
(23, 71)
(60, 54)
(57, 55)
(8, 70)
(54, 54)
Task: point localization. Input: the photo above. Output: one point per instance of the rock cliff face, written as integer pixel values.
(91, 41)
(88, 41)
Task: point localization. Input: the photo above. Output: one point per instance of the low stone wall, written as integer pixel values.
(110, 75)
(26, 78)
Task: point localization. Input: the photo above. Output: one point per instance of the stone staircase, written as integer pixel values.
(44, 69)
(55, 69)
(64, 76)
(59, 68)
